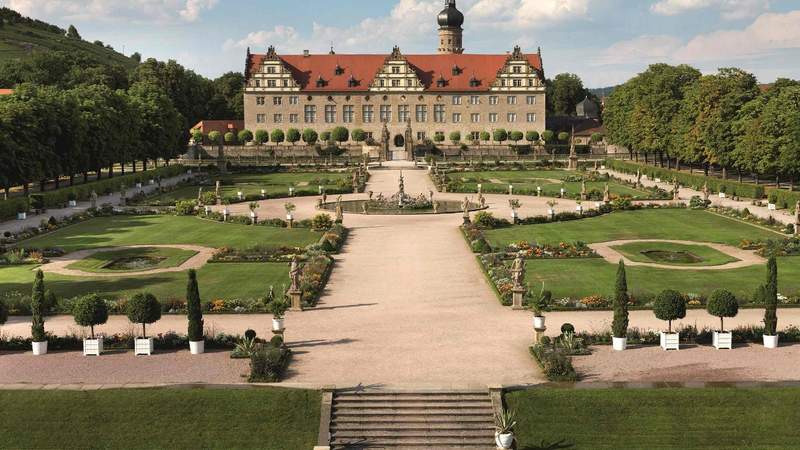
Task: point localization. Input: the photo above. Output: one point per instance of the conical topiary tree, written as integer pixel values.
(771, 299)
(619, 326)
(194, 310)
(37, 308)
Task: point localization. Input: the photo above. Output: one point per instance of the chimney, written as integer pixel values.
(306, 53)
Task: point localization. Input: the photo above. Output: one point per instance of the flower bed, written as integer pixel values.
(690, 335)
(563, 250)
(257, 253)
(745, 215)
(773, 247)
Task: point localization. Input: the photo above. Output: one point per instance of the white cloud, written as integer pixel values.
(730, 9)
(113, 10)
(527, 13)
(768, 34)
(280, 36)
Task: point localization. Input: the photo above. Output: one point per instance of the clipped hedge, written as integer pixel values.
(715, 185)
(784, 199)
(83, 192)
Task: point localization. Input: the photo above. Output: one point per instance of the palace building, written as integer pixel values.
(399, 99)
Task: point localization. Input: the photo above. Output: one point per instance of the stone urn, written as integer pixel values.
(504, 440)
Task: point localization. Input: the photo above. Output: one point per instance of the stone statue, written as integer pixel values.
(200, 195)
(465, 205)
(676, 188)
(436, 207)
(339, 211)
(583, 190)
(482, 200)
(430, 194)
(705, 192)
(93, 198)
(217, 192)
(402, 185)
(606, 194)
(385, 137)
(324, 197)
(355, 182)
(638, 178)
(294, 273)
(573, 154)
(364, 208)
(518, 271)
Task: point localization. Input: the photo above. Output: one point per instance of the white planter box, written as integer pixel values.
(151, 182)
(579, 208)
(670, 341)
(772, 207)
(240, 195)
(597, 205)
(22, 216)
(658, 180)
(722, 195)
(504, 441)
(619, 344)
(551, 212)
(770, 341)
(143, 346)
(538, 322)
(72, 203)
(277, 324)
(93, 347)
(39, 348)
(138, 185)
(723, 340)
(197, 347)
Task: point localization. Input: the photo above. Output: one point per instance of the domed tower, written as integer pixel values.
(450, 31)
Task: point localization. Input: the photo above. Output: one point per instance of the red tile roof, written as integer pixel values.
(6, 91)
(306, 70)
(223, 126)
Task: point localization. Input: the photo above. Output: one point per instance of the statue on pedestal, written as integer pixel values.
(676, 188)
(294, 273)
(573, 154)
(606, 195)
(436, 207)
(217, 192)
(339, 211)
(200, 196)
(518, 271)
(705, 193)
(93, 198)
(385, 137)
(583, 190)
(465, 209)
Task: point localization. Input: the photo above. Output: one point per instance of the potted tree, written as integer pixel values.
(197, 343)
(88, 311)
(72, 200)
(22, 212)
(771, 305)
(278, 308)
(670, 305)
(619, 326)
(253, 215)
(504, 428)
(38, 305)
(514, 204)
(723, 304)
(540, 305)
(143, 308)
(773, 201)
(290, 208)
(551, 204)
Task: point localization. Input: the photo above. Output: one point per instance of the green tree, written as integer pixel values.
(619, 326)
(310, 136)
(37, 308)
(564, 92)
(261, 137)
(194, 309)
(455, 137)
(277, 136)
(500, 135)
(548, 136)
(89, 311)
(515, 136)
(669, 305)
(293, 136)
(532, 136)
(486, 136)
(325, 136)
(245, 136)
(215, 137)
(230, 138)
(143, 308)
(340, 134)
(771, 298)
(72, 32)
(359, 135)
(197, 136)
(137, 57)
(438, 137)
(722, 304)
(563, 136)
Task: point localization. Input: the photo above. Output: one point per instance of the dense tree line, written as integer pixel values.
(718, 120)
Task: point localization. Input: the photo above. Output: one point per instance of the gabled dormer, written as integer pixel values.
(517, 74)
(271, 75)
(396, 75)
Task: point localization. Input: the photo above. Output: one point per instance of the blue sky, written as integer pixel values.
(604, 41)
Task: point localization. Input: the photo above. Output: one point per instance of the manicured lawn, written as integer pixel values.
(275, 419)
(166, 229)
(156, 258)
(550, 181)
(275, 185)
(675, 224)
(656, 418)
(217, 281)
(578, 278)
(698, 255)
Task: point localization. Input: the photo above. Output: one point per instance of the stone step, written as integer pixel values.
(416, 411)
(411, 404)
(455, 434)
(429, 443)
(476, 419)
(412, 397)
(413, 426)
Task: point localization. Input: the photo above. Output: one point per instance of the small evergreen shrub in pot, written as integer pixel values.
(670, 305)
(540, 305)
(143, 308)
(89, 311)
(770, 295)
(38, 302)
(619, 326)
(195, 315)
(278, 308)
(722, 303)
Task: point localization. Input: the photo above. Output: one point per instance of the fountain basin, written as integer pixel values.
(378, 209)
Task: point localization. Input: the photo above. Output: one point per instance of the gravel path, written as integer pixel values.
(59, 265)
(746, 258)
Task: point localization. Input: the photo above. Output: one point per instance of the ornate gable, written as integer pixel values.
(272, 75)
(517, 74)
(396, 74)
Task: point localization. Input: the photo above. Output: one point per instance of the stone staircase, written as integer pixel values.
(412, 420)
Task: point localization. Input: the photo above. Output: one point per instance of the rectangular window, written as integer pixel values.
(330, 113)
(475, 135)
(475, 117)
(276, 101)
(531, 99)
(456, 99)
(348, 114)
(512, 99)
(386, 113)
(531, 117)
(261, 118)
(402, 113)
(367, 113)
(383, 83)
(456, 117)
(277, 118)
(422, 113)
(294, 100)
(474, 100)
(271, 69)
(395, 69)
(421, 136)
(512, 117)
(517, 69)
(517, 82)
(260, 101)
(493, 100)
(438, 113)
(285, 83)
(294, 118)
(369, 135)
(395, 83)
(271, 83)
(493, 117)
(310, 113)
(257, 83)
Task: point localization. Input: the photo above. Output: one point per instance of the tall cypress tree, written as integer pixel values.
(37, 309)
(619, 327)
(771, 299)
(194, 311)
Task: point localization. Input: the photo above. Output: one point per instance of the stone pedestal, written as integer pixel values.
(296, 296)
(538, 334)
(573, 162)
(517, 296)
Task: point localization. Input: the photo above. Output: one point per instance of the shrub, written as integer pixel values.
(276, 341)
(619, 326)
(670, 305)
(143, 308)
(771, 298)
(250, 334)
(567, 328)
(185, 207)
(268, 363)
(722, 303)
(555, 364)
(193, 308)
(3, 312)
(90, 310)
(261, 137)
(37, 309)
(321, 222)
(245, 136)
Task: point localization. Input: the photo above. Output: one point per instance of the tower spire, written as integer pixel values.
(450, 20)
